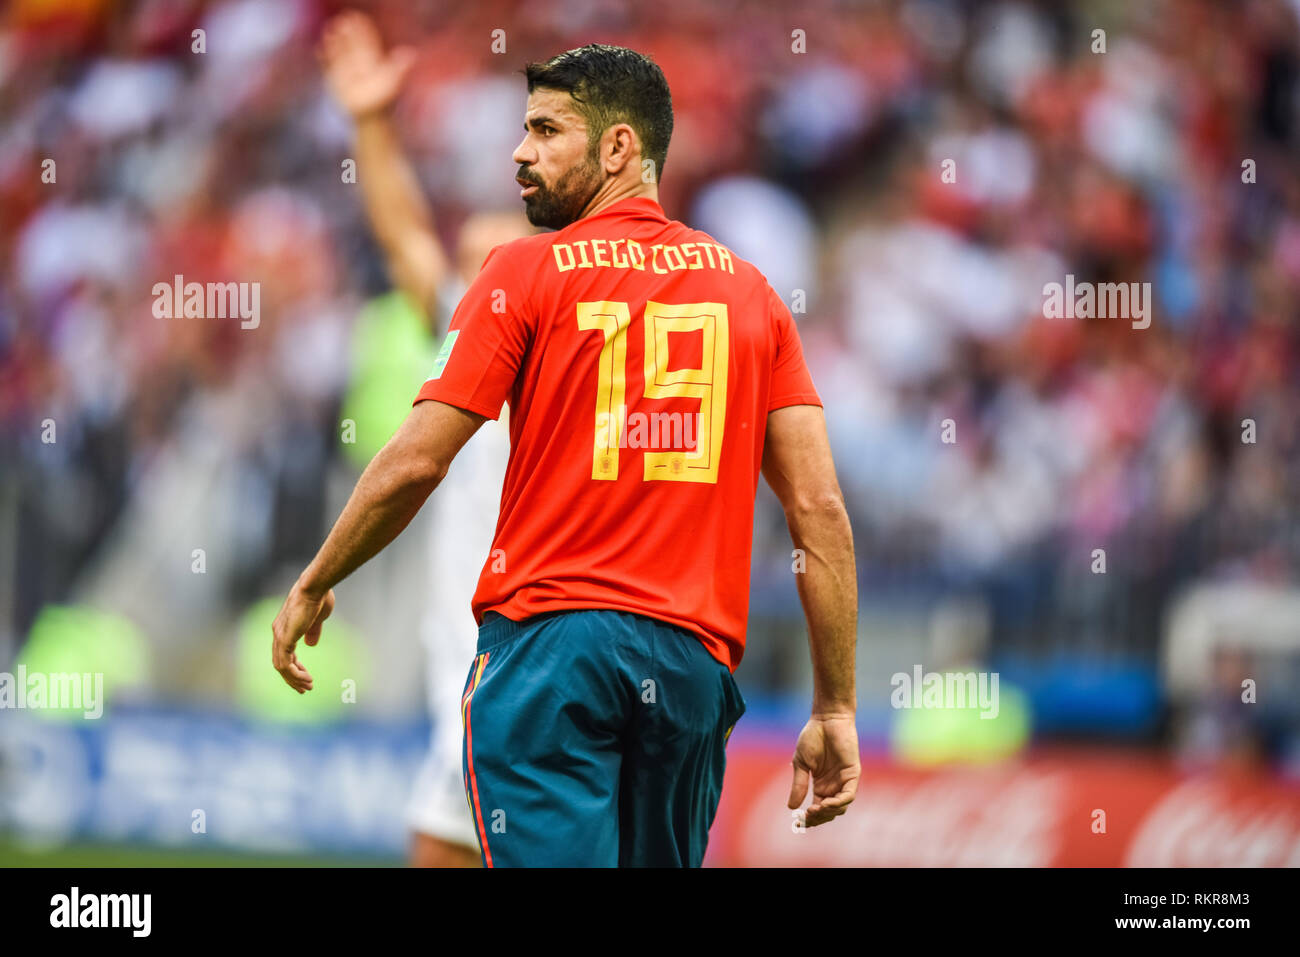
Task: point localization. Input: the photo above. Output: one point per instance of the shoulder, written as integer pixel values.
(749, 274)
(518, 254)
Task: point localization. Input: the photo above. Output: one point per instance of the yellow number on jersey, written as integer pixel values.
(612, 319)
(708, 383)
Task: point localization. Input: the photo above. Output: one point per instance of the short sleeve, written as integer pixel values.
(485, 344)
(791, 382)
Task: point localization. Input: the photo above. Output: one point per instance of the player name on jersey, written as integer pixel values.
(629, 254)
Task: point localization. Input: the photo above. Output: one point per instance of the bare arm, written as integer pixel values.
(399, 214)
(798, 466)
(365, 81)
(390, 491)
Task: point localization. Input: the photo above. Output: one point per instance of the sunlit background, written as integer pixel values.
(1103, 516)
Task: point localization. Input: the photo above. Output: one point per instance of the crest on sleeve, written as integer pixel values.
(443, 355)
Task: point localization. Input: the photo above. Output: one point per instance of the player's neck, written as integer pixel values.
(614, 192)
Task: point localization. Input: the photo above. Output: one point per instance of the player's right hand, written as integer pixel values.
(301, 616)
(826, 754)
(362, 78)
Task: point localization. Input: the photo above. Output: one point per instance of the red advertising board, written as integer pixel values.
(1057, 809)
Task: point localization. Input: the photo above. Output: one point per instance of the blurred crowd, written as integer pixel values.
(908, 174)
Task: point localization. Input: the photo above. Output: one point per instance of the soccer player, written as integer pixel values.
(365, 80)
(651, 374)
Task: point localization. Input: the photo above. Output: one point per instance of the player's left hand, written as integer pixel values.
(301, 616)
(826, 756)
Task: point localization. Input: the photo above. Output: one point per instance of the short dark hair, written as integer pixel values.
(612, 85)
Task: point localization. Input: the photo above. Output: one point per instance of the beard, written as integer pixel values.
(554, 207)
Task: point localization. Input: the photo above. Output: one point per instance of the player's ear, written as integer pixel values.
(619, 148)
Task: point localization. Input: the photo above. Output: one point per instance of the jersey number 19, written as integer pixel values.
(708, 384)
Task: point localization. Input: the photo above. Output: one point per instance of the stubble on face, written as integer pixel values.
(554, 207)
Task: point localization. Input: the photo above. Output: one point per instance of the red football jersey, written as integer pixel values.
(640, 359)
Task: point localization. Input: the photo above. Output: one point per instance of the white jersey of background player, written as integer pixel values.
(365, 80)
(463, 524)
